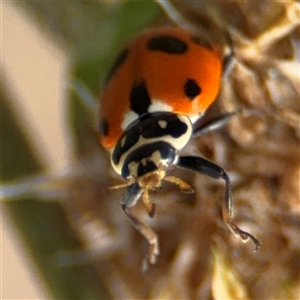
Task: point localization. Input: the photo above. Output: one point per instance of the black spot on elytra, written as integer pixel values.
(167, 44)
(139, 99)
(200, 41)
(103, 127)
(192, 89)
(120, 59)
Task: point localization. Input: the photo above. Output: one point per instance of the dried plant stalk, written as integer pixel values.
(260, 150)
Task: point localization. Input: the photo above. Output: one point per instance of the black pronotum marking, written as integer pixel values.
(167, 44)
(167, 152)
(200, 41)
(191, 89)
(139, 99)
(143, 169)
(149, 128)
(120, 59)
(103, 127)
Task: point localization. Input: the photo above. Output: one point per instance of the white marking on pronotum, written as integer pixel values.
(163, 124)
(178, 143)
(123, 141)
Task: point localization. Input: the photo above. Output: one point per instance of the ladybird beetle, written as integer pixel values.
(157, 88)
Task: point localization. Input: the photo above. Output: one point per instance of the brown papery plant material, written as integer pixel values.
(200, 258)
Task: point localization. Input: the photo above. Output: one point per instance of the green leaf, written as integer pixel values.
(16, 162)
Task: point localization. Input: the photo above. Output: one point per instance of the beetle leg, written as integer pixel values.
(149, 205)
(150, 236)
(184, 187)
(206, 167)
(117, 186)
(213, 124)
(130, 198)
(227, 214)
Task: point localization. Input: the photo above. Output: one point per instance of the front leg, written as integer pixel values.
(213, 124)
(206, 167)
(130, 198)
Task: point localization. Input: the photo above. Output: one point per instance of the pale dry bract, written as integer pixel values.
(200, 258)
